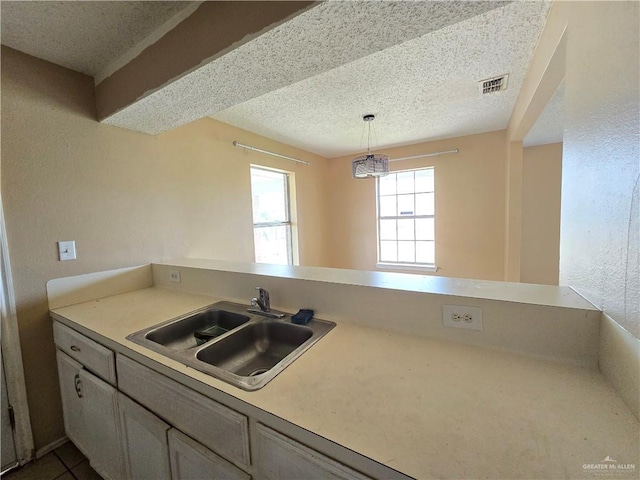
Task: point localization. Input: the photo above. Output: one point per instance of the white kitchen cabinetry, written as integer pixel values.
(280, 457)
(144, 442)
(91, 417)
(212, 424)
(192, 461)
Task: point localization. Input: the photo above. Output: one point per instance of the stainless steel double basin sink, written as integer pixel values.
(224, 340)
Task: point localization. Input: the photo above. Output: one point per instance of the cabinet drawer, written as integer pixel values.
(192, 461)
(92, 355)
(279, 457)
(217, 427)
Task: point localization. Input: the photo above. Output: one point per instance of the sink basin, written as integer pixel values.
(185, 333)
(255, 349)
(227, 342)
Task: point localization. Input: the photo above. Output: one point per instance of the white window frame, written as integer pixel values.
(288, 223)
(408, 266)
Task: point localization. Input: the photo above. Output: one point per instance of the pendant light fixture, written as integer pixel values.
(370, 165)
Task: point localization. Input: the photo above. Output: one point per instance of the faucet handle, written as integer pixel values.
(263, 297)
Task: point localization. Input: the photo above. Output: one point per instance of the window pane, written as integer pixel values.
(407, 195)
(269, 191)
(387, 184)
(405, 205)
(388, 251)
(425, 252)
(388, 206)
(405, 229)
(272, 244)
(406, 252)
(424, 180)
(388, 230)
(425, 229)
(405, 182)
(424, 204)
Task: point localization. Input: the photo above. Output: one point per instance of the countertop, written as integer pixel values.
(427, 408)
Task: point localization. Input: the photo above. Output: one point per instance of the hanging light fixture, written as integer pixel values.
(370, 165)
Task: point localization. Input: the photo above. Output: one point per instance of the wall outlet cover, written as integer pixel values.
(174, 276)
(462, 317)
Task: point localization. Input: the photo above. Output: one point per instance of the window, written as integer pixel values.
(406, 218)
(271, 216)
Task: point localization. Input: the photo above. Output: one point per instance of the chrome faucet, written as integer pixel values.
(262, 300)
(263, 303)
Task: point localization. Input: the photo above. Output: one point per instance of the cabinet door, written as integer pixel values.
(192, 461)
(210, 423)
(282, 458)
(102, 426)
(74, 424)
(144, 442)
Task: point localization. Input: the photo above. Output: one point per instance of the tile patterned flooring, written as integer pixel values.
(64, 463)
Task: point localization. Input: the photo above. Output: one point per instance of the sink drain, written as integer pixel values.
(258, 371)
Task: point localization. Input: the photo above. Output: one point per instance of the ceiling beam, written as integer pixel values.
(544, 76)
(208, 33)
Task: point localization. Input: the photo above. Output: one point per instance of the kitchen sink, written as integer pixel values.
(195, 330)
(256, 349)
(224, 340)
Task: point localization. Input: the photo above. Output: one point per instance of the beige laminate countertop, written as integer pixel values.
(429, 409)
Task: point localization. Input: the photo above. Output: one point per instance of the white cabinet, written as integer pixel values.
(100, 410)
(69, 374)
(280, 458)
(90, 408)
(90, 354)
(144, 442)
(192, 461)
(212, 424)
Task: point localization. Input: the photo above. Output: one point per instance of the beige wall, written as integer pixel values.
(540, 246)
(125, 198)
(470, 203)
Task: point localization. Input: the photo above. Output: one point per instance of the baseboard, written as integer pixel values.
(619, 361)
(41, 452)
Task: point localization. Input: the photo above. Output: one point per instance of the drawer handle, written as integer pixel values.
(78, 385)
(74, 348)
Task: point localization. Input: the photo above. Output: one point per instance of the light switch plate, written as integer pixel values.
(67, 250)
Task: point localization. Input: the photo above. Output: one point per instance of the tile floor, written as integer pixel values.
(64, 463)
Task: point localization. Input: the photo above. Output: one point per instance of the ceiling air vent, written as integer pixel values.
(495, 84)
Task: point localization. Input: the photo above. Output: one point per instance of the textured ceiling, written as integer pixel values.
(85, 36)
(325, 37)
(308, 81)
(549, 127)
(420, 90)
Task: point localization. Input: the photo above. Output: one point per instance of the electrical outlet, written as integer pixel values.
(174, 276)
(462, 317)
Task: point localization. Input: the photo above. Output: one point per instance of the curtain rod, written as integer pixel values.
(424, 155)
(249, 147)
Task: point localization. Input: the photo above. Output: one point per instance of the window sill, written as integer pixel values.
(407, 267)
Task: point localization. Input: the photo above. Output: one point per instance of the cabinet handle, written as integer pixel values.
(74, 348)
(78, 385)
